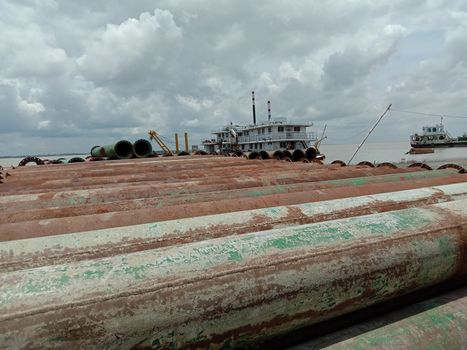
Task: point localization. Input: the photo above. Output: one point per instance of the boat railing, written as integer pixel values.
(270, 137)
(285, 123)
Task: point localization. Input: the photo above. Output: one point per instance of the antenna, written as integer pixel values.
(254, 109)
(269, 110)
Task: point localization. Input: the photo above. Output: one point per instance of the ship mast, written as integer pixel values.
(373, 128)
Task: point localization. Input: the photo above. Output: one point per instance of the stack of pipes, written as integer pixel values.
(219, 252)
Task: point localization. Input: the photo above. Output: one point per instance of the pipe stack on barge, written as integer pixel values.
(218, 252)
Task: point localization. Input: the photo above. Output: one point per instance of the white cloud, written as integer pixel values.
(140, 46)
(31, 107)
(193, 103)
(93, 72)
(191, 122)
(43, 124)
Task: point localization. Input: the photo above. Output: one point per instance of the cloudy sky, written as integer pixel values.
(74, 74)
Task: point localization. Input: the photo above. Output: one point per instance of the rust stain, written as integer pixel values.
(63, 199)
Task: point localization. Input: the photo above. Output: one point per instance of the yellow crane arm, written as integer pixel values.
(153, 136)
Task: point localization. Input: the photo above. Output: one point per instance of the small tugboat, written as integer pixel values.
(436, 137)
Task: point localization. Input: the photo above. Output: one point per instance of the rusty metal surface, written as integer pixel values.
(215, 252)
(230, 291)
(273, 169)
(438, 323)
(179, 195)
(191, 207)
(20, 254)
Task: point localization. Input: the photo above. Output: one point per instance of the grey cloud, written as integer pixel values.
(98, 71)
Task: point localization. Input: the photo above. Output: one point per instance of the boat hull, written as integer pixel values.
(439, 145)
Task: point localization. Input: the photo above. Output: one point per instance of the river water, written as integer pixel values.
(394, 152)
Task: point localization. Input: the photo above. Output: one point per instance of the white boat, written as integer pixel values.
(273, 135)
(436, 137)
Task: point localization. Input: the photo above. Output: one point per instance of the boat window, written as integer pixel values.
(280, 129)
(441, 137)
(269, 129)
(296, 128)
(434, 129)
(260, 146)
(259, 131)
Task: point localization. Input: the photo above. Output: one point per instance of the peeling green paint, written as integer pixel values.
(360, 181)
(93, 274)
(436, 324)
(267, 191)
(320, 267)
(242, 248)
(234, 255)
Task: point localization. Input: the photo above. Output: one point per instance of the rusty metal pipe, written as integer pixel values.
(18, 202)
(175, 198)
(311, 153)
(295, 171)
(227, 182)
(437, 323)
(298, 155)
(150, 164)
(60, 249)
(278, 154)
(192, 159)
(54, 226)
(179, 191)
(235, 290)
(253, 155)
(307, 173)
(264, 155)
(128, 169)
(78, 181)
(287, 154)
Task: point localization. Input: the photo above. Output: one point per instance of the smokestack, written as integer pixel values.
(269, 110)
(254, 109)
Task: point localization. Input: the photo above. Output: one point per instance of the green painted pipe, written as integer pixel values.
(142, 148)
(122, 150)
(233, 290)
(364, 180)
(48, 250)
(438, 323)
